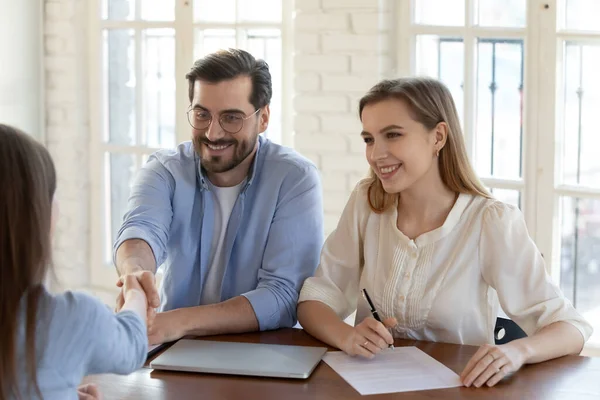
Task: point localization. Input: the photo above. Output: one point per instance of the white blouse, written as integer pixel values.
(446, 285)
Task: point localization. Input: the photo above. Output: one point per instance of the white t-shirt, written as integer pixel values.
(447, 285)
(224, 198)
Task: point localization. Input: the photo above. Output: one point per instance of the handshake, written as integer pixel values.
(136, 287)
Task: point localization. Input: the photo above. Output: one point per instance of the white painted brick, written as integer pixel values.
(334, 200)
(354, 178)
(307, 82)
(321, 63)
(356, 143)
(344, 42)
(56, 11)
(54, 44)
(306, 42)
(367, 4)
(304, 122)
(307, 5)
(334, 143)
(342, 123)
(364, 64)
(59, 28)
(320, 103)
(312, 156)
(347, 83)
(317, 22)
(55, 115)
(348, 163)
(367, 23)
(354, 100)
(334, 181)
(60, 96)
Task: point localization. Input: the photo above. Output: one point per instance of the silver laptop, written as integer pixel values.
(256, 359)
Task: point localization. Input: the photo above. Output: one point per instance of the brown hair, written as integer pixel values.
(28, 182)
(229, 64)
(430, 103)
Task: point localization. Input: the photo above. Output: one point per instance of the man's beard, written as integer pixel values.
(217, 164)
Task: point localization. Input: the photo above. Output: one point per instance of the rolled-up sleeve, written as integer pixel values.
(336, 280)
(514, 267)
(150, 209)
(292, 251)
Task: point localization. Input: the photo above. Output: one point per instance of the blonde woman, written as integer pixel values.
(435, 252)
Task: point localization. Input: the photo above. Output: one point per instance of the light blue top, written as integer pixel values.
(77, 335)
(273, 239)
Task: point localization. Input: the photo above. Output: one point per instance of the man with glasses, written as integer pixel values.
(234, 219)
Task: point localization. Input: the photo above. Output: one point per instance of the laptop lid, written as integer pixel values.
(255, 359)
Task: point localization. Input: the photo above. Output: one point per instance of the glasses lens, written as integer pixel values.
(199, 119)
(231, 123)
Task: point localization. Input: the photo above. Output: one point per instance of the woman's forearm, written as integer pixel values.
(319, 320)
(556, 340)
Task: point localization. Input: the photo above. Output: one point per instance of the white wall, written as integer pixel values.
(343, 47)
(21, 70)
(67, 136)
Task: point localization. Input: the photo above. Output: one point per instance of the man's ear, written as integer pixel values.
(263, 122)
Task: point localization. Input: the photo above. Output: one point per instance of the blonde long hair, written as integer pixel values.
(430, 103)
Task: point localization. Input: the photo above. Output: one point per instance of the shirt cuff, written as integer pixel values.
(134, 232)
(266, 308)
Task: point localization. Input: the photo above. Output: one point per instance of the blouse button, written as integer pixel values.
(407, 275)
(401, 298)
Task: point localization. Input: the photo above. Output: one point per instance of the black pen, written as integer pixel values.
(373, 310)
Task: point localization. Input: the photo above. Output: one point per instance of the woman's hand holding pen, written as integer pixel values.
(368, 338)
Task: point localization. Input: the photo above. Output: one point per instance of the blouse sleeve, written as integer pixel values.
(336, 279)
(513, 266)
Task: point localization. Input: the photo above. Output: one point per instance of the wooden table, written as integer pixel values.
(571, 377)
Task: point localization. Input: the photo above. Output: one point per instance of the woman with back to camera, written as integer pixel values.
(51, 341)
(435, 252)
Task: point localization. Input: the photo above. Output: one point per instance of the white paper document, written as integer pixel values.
(402, 369)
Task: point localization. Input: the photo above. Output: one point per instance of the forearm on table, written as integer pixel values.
(319, 320)
(134, 255)
(555, 340)
(235, 315)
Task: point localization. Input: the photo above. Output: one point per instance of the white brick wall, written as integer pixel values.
(342, 49)
(67, 134)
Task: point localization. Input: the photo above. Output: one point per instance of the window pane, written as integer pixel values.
(158, 49)
(119, 172)
(214, 11)
(260, 10)
(266, 44)
(119, 86)
(505, 13)
(118, 9)
(580, 256)
(581, 15)
(163, 10)
(443, 58)
(440, 12)
(508, 196)
(207, 41)
(581, 164)
(499, 108)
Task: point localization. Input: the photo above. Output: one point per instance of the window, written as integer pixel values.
(141, 51)
(524, 76)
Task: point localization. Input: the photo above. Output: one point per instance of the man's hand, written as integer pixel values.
(88, 392)
(147, 283)
(167, 327)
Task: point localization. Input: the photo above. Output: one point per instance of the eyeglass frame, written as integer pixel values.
(219, 119)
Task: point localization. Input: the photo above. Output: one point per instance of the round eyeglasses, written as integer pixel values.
(231, 122)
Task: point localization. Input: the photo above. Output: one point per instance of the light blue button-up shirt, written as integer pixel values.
(273, 239)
